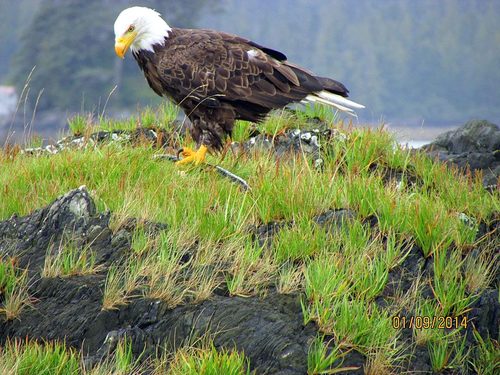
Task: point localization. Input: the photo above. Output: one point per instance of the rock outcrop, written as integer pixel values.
(269, 330)
(475, 145)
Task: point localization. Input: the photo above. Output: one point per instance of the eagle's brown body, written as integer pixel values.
(217, 78)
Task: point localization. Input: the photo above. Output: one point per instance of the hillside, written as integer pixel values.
(347, 254)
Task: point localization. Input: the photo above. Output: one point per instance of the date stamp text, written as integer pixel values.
(429, 322)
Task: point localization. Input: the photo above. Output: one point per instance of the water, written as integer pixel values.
(414, 144)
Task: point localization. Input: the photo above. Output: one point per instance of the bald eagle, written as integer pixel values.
(217, 78)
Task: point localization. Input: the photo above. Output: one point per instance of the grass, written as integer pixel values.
(25, 357)
(299, 242)
(323, 358)
(31, 358)
(273, 125)
(325, 283)
(124, 359)
(158, 273)
(69, 260)
(13, 289)
(486, 356)
(367, 328)
(251, 272)
(121, 284)
(321, 112)
(163, 271)
(80, 125)
(450, 286)
(290, 279)
(8, 277)
(241, 131)
(430, 226)
(208, 361)
(340, 270)
(479, 270)
(425, 307)
(447, 351)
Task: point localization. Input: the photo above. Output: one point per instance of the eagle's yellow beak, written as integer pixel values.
(123, 43)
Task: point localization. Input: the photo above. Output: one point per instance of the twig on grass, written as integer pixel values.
(224, 172)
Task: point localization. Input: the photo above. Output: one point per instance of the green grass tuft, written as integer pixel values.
(209, 361)
(32, 358)
(69, 260)
(322, 358)
(80, 124)
(13, 289)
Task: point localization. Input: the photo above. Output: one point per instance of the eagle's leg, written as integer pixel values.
(207, 133)
(191, 156)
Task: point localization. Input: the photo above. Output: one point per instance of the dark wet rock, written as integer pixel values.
(264, 233)
(419, 361)
(72, 216)
(268, 330)
(100, 136)
(489, 226)
(121, 239)
(485, 315)
(475, 136)
(371, 221)
(150, 228)
(157, 137)
(415, 358)
(333, 220)
(397, 176)
(63, 309)
(402, 276)
(475, 145)
(353, 360)
(298, 141)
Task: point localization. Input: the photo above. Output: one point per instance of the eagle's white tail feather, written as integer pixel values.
(313, 98)
(337, 101)
(334, 98)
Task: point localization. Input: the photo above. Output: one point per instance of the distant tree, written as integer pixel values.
(13, 15)
(71, 44)
(65, 42)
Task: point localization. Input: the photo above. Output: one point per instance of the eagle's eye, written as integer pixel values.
(131, 28)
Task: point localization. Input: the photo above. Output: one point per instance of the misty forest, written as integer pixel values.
(410, 62)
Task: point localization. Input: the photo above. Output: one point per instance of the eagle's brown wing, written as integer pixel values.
(213, 69)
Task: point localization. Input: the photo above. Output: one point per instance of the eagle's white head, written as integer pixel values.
(139, 28)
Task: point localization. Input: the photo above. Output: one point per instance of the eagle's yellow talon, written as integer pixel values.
(186, 152)
(190, 156)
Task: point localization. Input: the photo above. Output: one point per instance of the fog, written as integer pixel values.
(420, 65)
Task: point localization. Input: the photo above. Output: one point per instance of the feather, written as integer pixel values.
(337, 99)
(317, 99)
